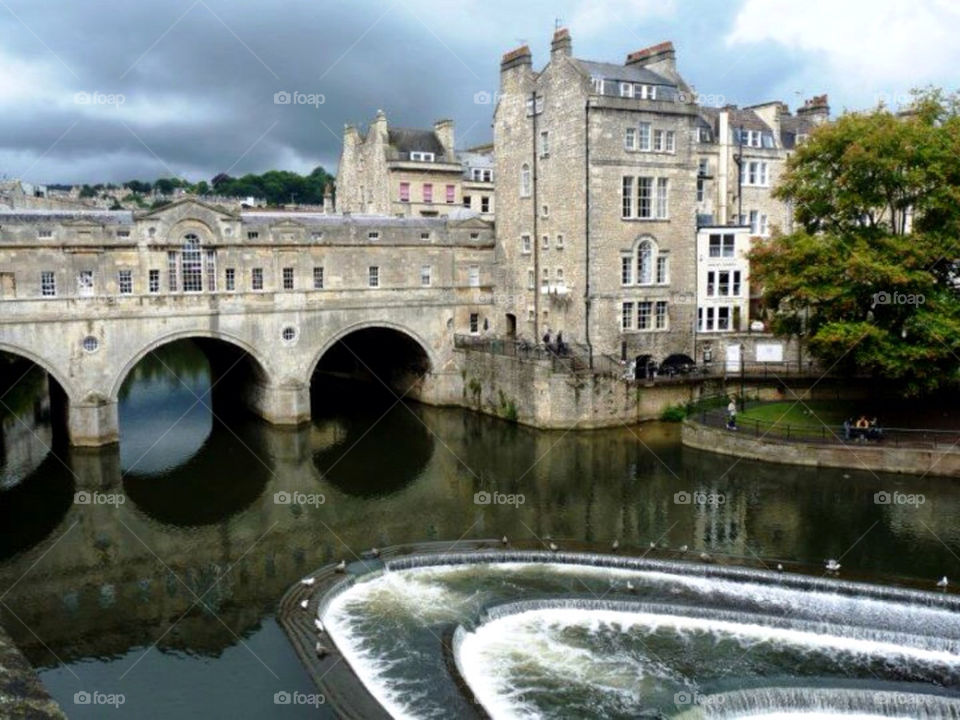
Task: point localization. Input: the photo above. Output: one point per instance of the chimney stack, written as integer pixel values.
(660, 58)
(516, 58)
(562, 44)
(817, 109)
(328, 208)
(443, 129)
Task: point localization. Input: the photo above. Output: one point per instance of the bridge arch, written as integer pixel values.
(260, 364)
(345, 332)
(61, 378)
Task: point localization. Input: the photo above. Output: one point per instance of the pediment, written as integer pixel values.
(190, 207)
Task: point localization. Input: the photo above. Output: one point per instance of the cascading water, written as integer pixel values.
(577, 635)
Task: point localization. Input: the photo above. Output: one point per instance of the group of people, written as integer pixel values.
(862, 429)
(558, 346)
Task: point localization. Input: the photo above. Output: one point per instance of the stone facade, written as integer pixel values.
(86, 295)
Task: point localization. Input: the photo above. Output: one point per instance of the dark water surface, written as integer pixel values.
(103, 596)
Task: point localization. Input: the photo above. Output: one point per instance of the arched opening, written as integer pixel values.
(677, 364)
(178, 394)
(644, 367)
(366, 440)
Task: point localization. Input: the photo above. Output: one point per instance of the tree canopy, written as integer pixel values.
(869, 279)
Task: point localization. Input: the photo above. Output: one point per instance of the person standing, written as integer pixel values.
(732, 414)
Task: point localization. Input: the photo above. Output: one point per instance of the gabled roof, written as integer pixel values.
(189, 200)
(410, 140)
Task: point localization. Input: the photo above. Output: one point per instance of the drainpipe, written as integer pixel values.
(586, 244)
(536, 235)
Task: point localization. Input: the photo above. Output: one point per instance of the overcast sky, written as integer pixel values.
(109, 90)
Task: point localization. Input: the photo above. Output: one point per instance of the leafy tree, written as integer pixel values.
(136, 186)
(870, 279)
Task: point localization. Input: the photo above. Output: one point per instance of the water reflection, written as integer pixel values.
(200, 519)
(26, 430)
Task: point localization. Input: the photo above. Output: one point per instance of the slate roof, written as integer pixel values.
(406, 140)
(320, 220)
(627, 73)
(108, 217)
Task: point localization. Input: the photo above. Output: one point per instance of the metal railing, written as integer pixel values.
(827, 434)
(571, 358)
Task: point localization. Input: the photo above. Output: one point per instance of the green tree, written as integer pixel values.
(870, 278)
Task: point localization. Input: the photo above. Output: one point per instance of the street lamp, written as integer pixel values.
(743, 401)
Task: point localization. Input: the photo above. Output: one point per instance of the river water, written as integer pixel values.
(153, 569)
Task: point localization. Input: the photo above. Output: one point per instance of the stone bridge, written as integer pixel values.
(86, 295)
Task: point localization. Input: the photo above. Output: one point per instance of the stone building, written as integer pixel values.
(478, 187)
(406, 172)
(596, 200)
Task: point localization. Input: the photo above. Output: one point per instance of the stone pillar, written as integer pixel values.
(93, 421)
(286, 403)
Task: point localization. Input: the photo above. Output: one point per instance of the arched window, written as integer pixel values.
(646, 260)
(191, 264)
(525, 184)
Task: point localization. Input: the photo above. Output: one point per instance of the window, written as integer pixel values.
(525, 184)
(125, 282)
(645, 255)
(466, 201)
(123, 233)
(560, 282)
(626, 90)
(288, 278)
(644, 312)
(671, 141)
(473, 276)
(545, 279)
(531, 280)
(662, 318)
(644, 137)
(253, 235)
(44, 234)
(704, 135)
(425, 236)
(736, 283)
(256, 278)
(191, 264)
(318, 277)
(648, 92)
(659, 144)
(373, 276)
(723, 283)
(316, 236)
(626, 316)
(534, 110)
(525, 244)
(90, 344)
(288, 334)
(173, 273)
(485, 203)
(754, 222)
(544, 143)
(627, 208)
(422, 156)
(544, 211)
(700, 189)
(663, 270)
(764, 227)
(48, 284)
(451, 191)
(153, 281)
(482, 174)
(373, 235)
(85, 283)
(626, 270)
(559, 241)
(404, 192)
(723, 318)
(211, 270)
(426, 272)
(428, 192)
(597, 85)
(230, 279)
(545, 242)
(711, 283)
(721, 246)
(630, 139)
(644, 197)
(663, 208)
(474, 323)
(757, 173)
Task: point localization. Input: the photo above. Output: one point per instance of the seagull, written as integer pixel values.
(615, 545)
(308, 581)
(652, 545)
(321, 650)
(553, 547)
(832, 565)
(304, 604)
(319, 625)
(341, 566)
(374, 552)
(683, 548)
(942, 582)
(630, 586)
(705, 557)
(779, 567)
(503, 540)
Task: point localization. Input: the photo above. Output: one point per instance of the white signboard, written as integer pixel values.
(769, 352)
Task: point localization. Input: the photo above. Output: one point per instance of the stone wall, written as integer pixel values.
(876, 458)
(21, 693)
